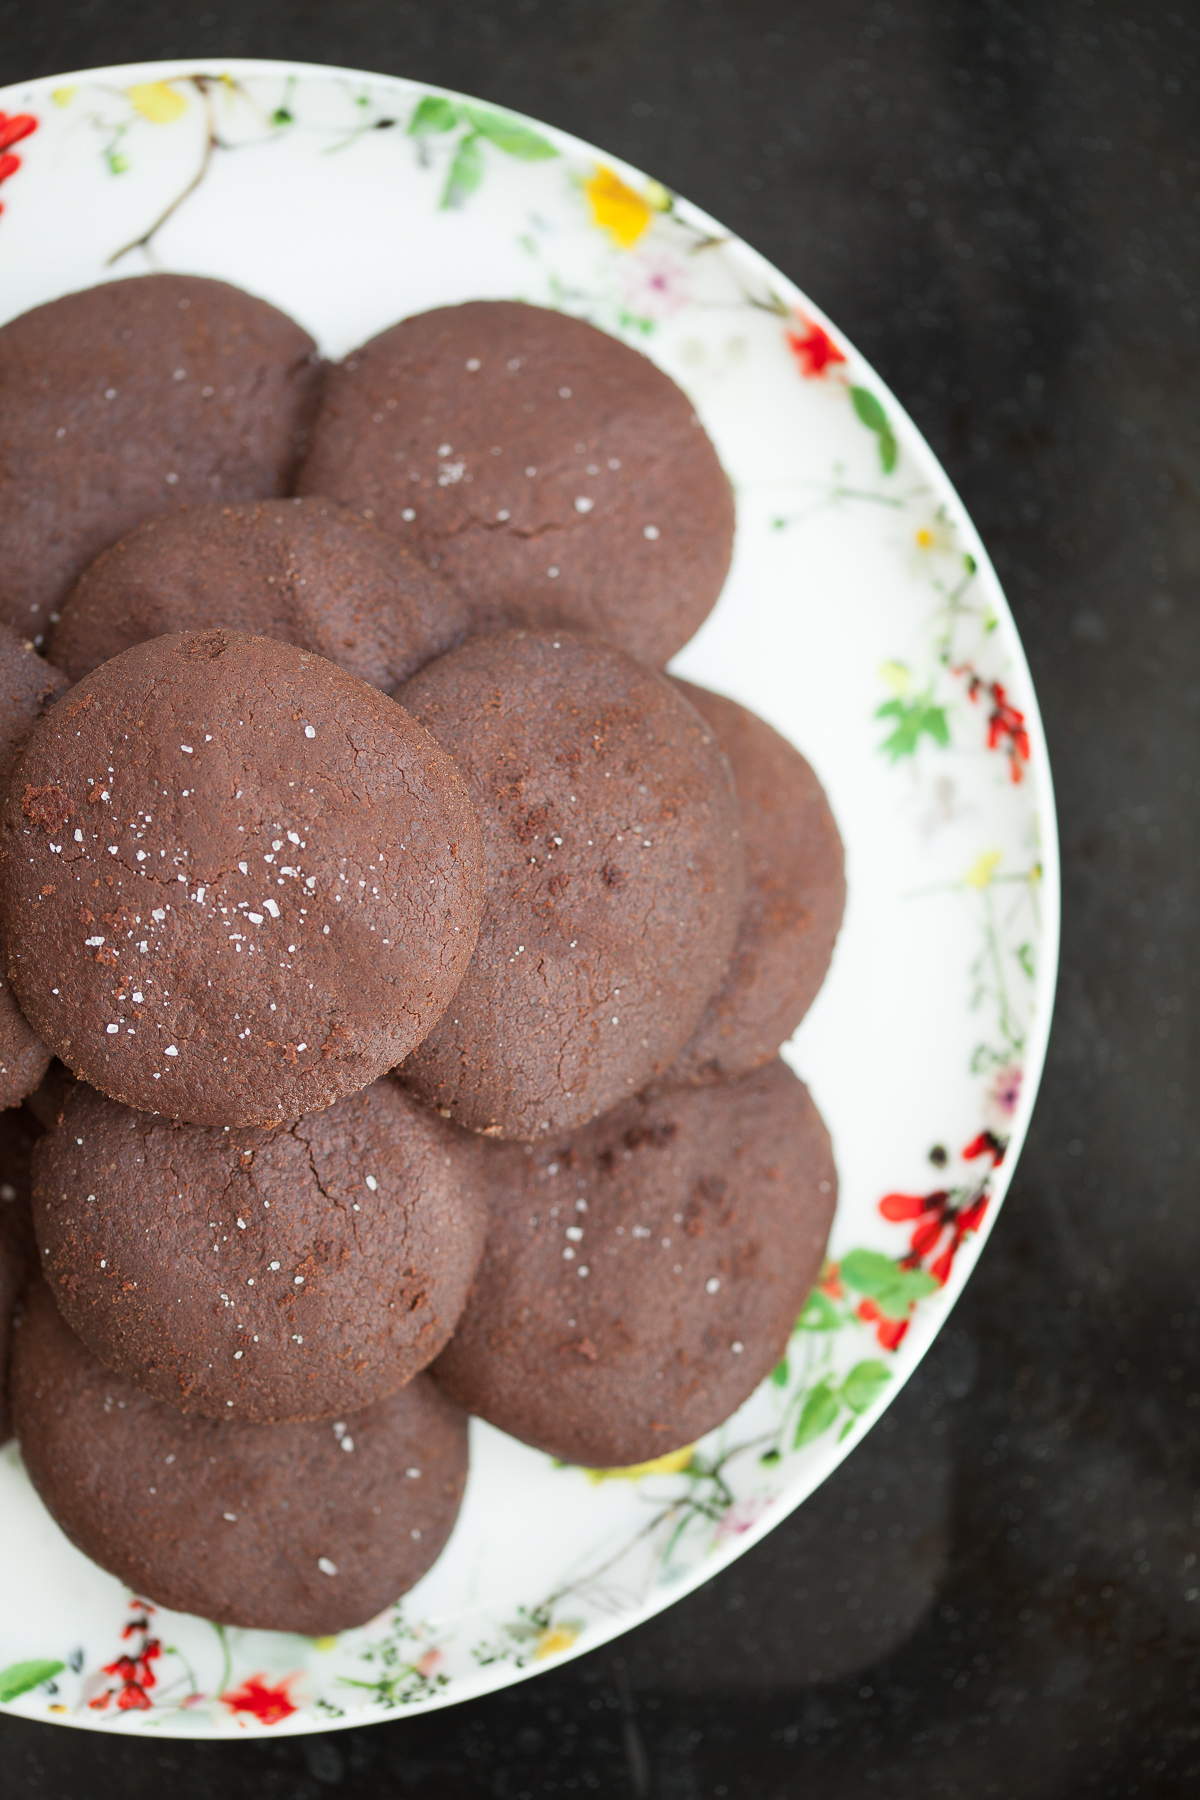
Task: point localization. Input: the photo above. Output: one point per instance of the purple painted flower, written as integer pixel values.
(1005, 1090)
(656, 286)
(741, 1516)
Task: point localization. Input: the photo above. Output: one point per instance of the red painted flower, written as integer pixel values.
(897, 1207)
(986, 1144)
(135, 1673)
(813, 348)
(1006, 725)
(830, 1282)
(269, 1705)
(941, 1220)
(13, 127)
(888, 1331)
(134, 1698)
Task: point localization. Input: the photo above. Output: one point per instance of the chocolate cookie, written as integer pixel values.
(27, 686)
(237, 883)
(552, 473)
(306, 571)
(18, 1252)
(310, 1528)
(128, 398)
(643, 1276)
(24, 1058)
(615, 879)
(291, 1274)
(795, 897)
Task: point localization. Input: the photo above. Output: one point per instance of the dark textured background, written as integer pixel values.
(1000, 1593)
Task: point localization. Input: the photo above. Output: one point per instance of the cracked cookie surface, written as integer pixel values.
(261, 1275)
(299, 1527)
(236, 882)
(643, 1275)
(551, 472)
(307, 571)
(615, 879)
(131, 397)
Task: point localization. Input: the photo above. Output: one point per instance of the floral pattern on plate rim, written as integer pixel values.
(841, 1362)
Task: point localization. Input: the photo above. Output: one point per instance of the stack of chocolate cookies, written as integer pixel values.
(393, 960)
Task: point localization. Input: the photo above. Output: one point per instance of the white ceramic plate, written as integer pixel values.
(862, 618)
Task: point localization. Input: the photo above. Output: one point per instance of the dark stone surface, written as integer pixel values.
(998, 203)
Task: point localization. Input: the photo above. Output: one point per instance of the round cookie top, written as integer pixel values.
(795, 898)
(130, 397)
(614, 879)
(642, 1277)
(291, 1274)
(312, 1528)
(307, 571)
(237, 883)
(552, 473)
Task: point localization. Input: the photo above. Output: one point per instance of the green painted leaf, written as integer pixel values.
(911, 1285)
(914, 719)
(1025, 958)
(893, 1289)
(779, 1374)
(769, 1458)
(820, 1314)
(872, 415)
(466, 172)
(969, 563)
(509, 134)
(281, 116)
(433, 113)
(819, 1412)
(868, 1271)
(19, 1677)
(864, 1382)
(868, 409)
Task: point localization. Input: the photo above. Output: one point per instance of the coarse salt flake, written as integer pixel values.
(309, 731)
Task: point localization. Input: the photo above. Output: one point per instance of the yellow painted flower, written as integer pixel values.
(617, 208)
(158, 102)
(980, 873)
(897, 677)
(63, 96)
(554, 1641)
(933, 537)
(670, 1464)
(325, 1643)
